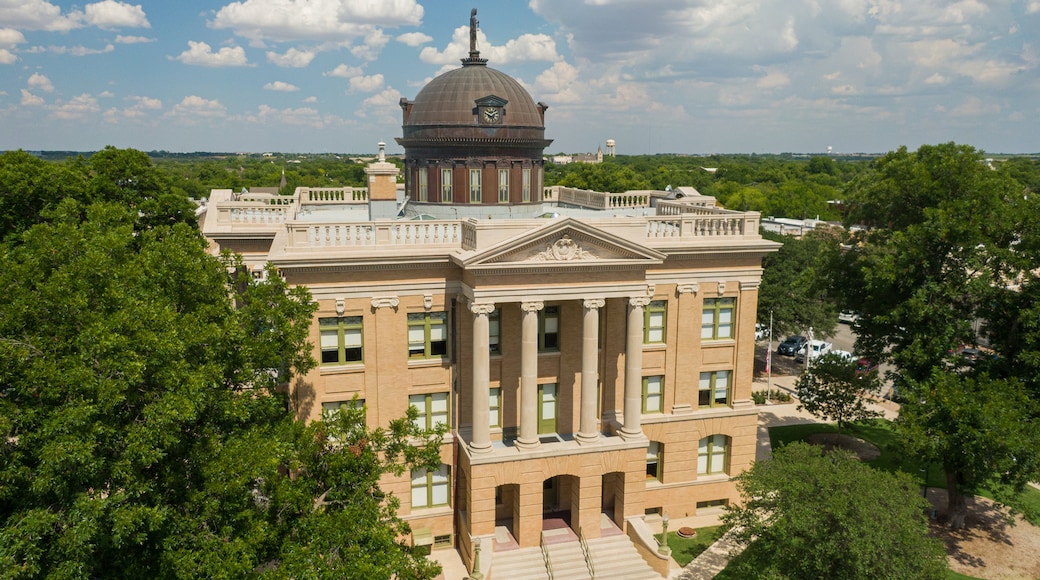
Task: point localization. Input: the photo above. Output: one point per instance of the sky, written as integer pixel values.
(657, 76)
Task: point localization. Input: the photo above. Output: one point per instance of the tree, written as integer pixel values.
(983, 432)
(832, 389)
(807, 514)
(950, 236)
(795, 282)
(145, 426)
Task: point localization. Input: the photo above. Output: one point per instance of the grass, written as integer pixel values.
(880, 433)
(684, 550)
(951, 575)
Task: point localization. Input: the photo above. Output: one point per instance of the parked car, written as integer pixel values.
(844, 355)
(761, 331)
(791, 345)
(812, 350)
(971, 355)
(848, 316)
(865, 366)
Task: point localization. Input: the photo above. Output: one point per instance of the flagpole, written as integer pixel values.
(769, 362)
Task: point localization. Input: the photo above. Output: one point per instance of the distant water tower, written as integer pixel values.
(610, 147)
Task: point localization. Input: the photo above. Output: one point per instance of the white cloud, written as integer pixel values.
(343, 71)
(334, 20)
(773, 80)
(413, 38)
(37, 15)
(200, 53)
(41, 83)
(303, 116)
(935, 79)
(292, 58)
(281, 86)
(311, 99)
(11, 37)
(121, 39)
(80, 50)
(7, 57)
(558, 84)
(1033, 7)
(31, 100)
(111, 14)
(140, 109)
(382, 105)
(193, 109)
(367, 84)
(76, 109)
(371, 45)
(524, 48)
(973, 106)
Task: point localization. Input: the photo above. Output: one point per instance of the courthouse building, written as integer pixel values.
(591, 353)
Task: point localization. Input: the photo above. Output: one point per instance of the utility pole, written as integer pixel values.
(769, 362)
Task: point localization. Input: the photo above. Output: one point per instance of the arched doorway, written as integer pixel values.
(560, 504)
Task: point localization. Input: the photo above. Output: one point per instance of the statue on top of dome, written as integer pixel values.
(473, 31)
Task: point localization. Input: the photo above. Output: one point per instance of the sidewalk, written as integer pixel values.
(715, 558)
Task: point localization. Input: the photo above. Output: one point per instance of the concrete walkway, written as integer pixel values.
(717, 556)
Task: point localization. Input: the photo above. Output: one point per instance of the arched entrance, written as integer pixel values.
(560, 504)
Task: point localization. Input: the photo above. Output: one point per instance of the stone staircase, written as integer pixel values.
(614, 558)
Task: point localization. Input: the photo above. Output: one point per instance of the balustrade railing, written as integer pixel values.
(364, 234)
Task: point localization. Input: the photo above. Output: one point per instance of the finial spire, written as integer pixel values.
(474, 54)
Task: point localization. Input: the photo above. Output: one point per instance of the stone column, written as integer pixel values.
(529, 375)
(480, 397)
(634, 368)
(588, 432)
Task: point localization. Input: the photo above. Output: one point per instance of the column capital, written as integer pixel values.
(385, 302)
(639, 301)
(594, 303)
(482, 307)
(692, 288)
(532, 306)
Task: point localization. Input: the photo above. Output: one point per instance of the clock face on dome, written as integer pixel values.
(490, 115)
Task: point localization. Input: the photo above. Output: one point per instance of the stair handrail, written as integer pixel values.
(545, 557)
(585, 549)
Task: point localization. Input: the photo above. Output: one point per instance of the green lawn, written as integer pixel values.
(684, 550)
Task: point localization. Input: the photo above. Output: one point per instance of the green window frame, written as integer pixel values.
(495, 332)
(655, 460)
(549, 329)
(424, 184)
(474, 186)
(653, 394)
(495, 406)
(713, 455)
(427, 334)
(655, 318)
(715, 389)
(330, 409)
(503, 186)
(433, 409)
(342, 340)
(717, 318)
(446, 185)
(525, 187)
(431, 488)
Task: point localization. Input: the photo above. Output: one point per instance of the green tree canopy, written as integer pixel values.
(832, 390)
(795, 283)
(807, 514)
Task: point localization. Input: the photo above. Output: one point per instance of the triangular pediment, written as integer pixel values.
(566, 242)
(491, 101)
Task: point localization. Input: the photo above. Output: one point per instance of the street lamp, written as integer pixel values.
(476, 575)
(664, 549)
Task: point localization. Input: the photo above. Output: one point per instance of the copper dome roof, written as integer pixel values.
(450, 99)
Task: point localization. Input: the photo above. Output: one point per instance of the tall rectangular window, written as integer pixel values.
(654, 453)
(495, 332)
(446, 185)
(495, 407)
(432, 407)
(717, 318)
(474, 186)
(654, 316)
(713, 455)
(430, 488)
(525, 186)
(331, 409)
(653, 394)
(714, 389)
(549, 329)
(503, 186)
(427, 334)
(424, 184)
(341, 340)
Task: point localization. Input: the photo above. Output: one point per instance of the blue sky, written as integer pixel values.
(682, 76)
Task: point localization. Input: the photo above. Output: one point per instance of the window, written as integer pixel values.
(503, 186)
(712, 455)
(430, 488)
(495, 407)
(331, 409)
(446, 185)
(433, 409)
(525, 187)
(341, 341)
(427, 334)
(717, 318)
(549, 329)
(654, 321)
(474, 186)
(424, 185)
(653, 394)
(495, 331)
(714, 389)
(654, 454)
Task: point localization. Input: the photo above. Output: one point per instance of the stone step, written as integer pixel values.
(615, 558)
(523, 564)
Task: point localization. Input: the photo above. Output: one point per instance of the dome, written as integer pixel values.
(451, 99)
